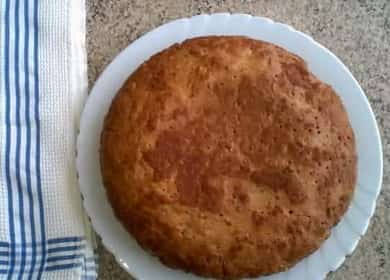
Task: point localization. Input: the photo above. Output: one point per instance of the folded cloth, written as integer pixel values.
(43, 230)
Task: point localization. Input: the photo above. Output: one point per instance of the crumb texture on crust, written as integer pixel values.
(226, 157)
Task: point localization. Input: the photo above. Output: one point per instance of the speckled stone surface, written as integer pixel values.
(358, 32)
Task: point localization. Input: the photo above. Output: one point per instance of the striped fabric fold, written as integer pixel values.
(43, 230)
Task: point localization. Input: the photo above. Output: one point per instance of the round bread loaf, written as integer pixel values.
(226, 157)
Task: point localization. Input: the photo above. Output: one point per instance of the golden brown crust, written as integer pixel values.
(225, 157)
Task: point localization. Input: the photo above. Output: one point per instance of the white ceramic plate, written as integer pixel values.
(322, 63)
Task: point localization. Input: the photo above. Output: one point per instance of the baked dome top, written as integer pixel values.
(226, 157)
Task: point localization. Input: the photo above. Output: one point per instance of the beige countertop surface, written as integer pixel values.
(358, 32)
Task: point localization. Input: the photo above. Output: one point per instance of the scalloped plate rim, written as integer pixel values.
(123, 54)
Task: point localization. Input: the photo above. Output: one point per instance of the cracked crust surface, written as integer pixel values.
(226, 157)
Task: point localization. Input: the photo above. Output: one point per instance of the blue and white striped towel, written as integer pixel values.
(43, 230)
